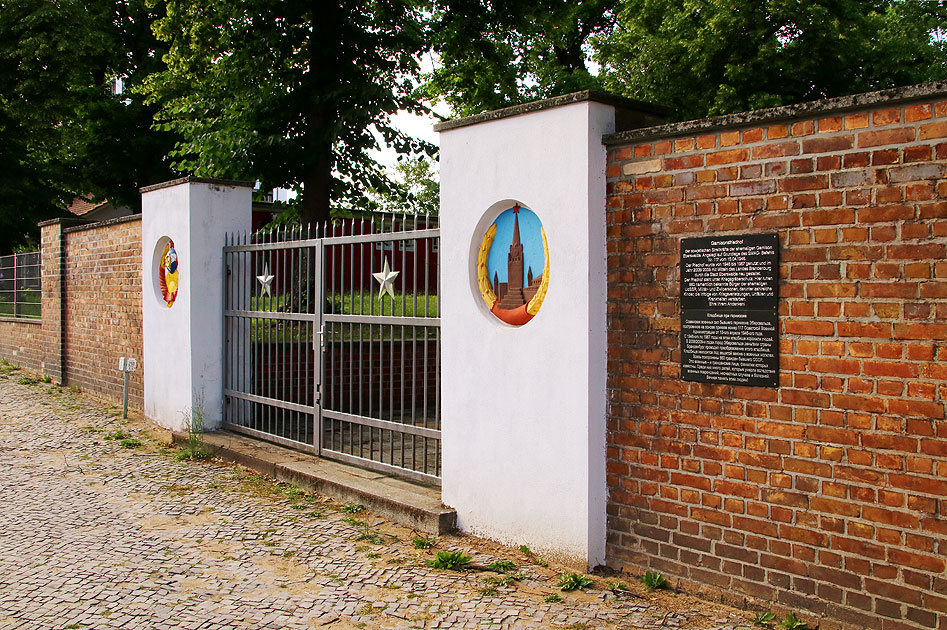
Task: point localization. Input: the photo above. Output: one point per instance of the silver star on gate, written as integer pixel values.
(386, 278)
(266, 280)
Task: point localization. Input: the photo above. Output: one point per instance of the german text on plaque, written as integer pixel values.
(729, 300)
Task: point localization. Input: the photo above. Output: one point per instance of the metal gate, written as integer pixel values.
(333, 342)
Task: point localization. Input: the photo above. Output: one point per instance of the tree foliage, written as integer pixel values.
(289, 93)
(495, 53)
(63, 133)
(706, 57)
(701, 57)
(416, 190)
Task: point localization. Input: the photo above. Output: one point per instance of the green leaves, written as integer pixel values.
(574, 582)
(289, 93)
(720, 56)
(653, 580)
(450, 560)
(498, 54)
(63, 132)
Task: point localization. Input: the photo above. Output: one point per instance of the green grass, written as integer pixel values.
(351, 303)
(354, 303)
(195, 449)
(423, 543)
(27, 305)
(368, 303)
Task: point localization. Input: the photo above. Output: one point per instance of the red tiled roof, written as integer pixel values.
(80, 206)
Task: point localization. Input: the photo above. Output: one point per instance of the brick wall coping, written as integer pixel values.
(190, 179)
(556, 101)
(22, 320)
(102, 224)
(787, 112)
(64, 221)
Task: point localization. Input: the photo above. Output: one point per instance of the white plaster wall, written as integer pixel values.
(524, 407)
(183, 345)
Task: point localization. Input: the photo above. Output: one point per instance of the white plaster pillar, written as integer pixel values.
(524, 407)
(183, 343)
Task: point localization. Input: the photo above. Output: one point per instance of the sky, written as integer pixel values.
(421, 127)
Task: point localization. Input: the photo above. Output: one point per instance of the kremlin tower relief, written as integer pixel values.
(513, 265)
(513, 294)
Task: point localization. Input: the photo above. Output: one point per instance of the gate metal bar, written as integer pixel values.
(270, 387)
(356, 378)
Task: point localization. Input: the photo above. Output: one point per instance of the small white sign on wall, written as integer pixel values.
(128, 364)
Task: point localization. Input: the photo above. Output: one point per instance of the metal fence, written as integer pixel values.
(333, 342)
(20, 285)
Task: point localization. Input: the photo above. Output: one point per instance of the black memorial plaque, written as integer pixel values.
(730, 272)
(729, 300)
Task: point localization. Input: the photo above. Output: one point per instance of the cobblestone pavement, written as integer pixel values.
(97, 534)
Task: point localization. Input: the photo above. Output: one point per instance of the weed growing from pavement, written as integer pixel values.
(8, 368)
(130, 443)
(116, 435)
(615, 585)
(792, 622)
(508, 579)
(763, 619)
(501, 566)
(450, 560)
(537, 560)
(195, 450)
(371, 537)
(553, 599)
(574, 582)
(420, 542)
(653, 580)
(352, 508)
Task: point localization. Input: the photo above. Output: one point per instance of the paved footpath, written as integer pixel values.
(94, 534)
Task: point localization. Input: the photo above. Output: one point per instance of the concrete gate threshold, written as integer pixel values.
(404, 502)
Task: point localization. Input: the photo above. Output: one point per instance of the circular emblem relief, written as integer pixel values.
(513, 265)
(167, 270)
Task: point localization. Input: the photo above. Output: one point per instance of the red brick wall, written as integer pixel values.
(102, 306)
(21, 342)
(827, 494)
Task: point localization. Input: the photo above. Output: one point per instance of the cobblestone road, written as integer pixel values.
(94, 534)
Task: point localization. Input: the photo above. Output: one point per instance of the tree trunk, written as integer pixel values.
(317, 182)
